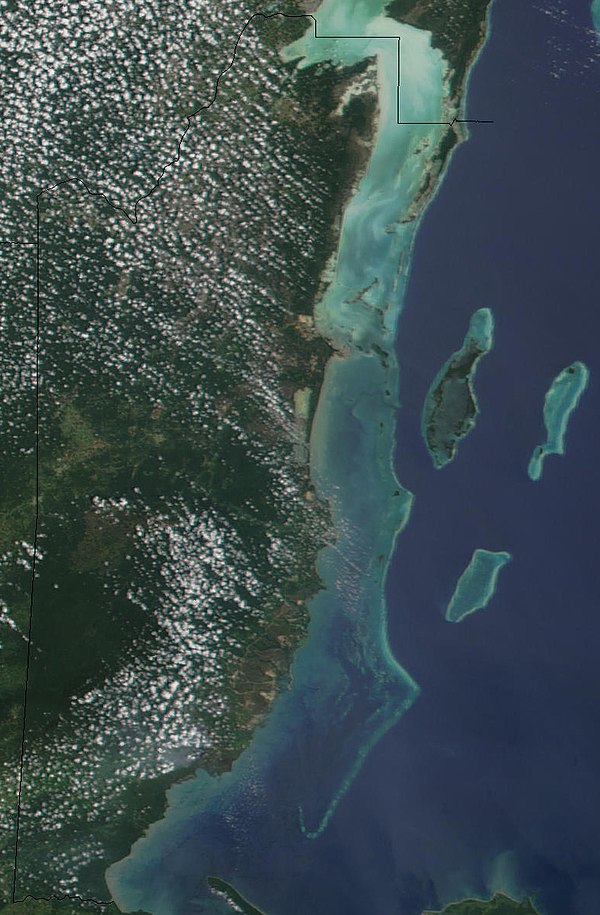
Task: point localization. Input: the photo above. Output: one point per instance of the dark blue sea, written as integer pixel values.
(492, 779)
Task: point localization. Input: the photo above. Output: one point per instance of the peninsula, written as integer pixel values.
(457, 28)
(236, 900)
(499, 904)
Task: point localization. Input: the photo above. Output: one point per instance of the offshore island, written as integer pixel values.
(560, 401)
(451, 408)
(477, 584)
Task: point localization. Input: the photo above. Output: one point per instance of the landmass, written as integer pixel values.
(499, 904)
(561, 399)
(29, 906)
(178, 526)
(231, 895)
(450, 410)
(477, 584)
(458, 30)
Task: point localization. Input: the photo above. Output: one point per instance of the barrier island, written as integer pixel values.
(562, 397)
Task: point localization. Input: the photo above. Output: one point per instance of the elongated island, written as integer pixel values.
(561, 399)
(477, 584)
(451, 408)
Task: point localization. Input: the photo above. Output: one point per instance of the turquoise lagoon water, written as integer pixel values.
(561, 399)
(477, 584)
(348, 689)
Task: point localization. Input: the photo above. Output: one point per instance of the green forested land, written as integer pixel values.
(500, 904)
(232, 896)
(58, 907)
(114, 458)
(456, 27)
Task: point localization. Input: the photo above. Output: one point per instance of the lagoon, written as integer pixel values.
(476, 586)
(348, 688)
(561, 399)
(442, 805)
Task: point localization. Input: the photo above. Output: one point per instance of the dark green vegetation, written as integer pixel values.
(500, 904)
(457, 27)
(232, 895)
(450, 407)
(178, 529)
(57, 907)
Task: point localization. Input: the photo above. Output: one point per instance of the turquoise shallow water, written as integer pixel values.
(348, 689)
(477, 584)
(561, 399)
(490, 779)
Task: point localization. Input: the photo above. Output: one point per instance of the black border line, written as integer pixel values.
(451, 123)
(398, 77)
(132, 217)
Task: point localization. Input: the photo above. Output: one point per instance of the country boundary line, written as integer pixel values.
(132, 217)
(396, 38)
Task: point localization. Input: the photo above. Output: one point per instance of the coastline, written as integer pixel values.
(501, 903)
(361, 327)
(461, 131)
(359, 141)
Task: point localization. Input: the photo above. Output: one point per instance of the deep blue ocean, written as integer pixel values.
(491, 780)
